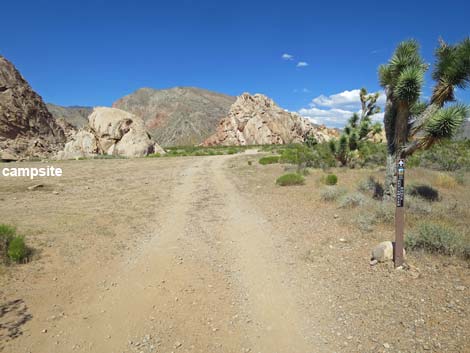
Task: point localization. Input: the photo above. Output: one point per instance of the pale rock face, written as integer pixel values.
(111, 131)
(256, 119)
(83, 144)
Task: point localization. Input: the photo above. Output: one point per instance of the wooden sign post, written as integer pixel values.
(399, 215)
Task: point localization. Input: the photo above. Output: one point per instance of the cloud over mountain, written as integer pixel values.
(334, 110)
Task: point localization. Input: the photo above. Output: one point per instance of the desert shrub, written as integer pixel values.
(372, 186)
(7, 232)
(418, 206)
(331, 179)
(250, 162)
(372, 154)
(437, 238)
(385, 212)
(447, 156)
(460, 178)
(290, 179)
(365, 222)
(269, 160)
(332, 193)
(445, 180)
(17, 250)
(426, 192)
(232, 151)
(352, 200)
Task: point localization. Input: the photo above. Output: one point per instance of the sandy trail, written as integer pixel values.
(208, 280)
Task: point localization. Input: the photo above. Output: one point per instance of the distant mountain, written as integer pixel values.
(75, 115)
(179, 115)
(27, 128)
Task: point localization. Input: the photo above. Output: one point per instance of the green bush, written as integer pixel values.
(7, 232)
(269, 160)
(250, 162)
(331, 179)
(437, 238)
(231, 151)
(446, 156)
(290, 179)
(331, 193)
(17, 250)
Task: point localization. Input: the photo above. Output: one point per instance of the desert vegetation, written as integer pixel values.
(12, 246)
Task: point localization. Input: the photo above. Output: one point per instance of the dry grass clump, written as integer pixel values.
(445, 181)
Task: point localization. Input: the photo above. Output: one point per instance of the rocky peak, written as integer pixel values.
(27, 129)
(256, 119)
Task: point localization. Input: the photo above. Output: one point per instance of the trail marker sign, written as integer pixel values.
(399, 214)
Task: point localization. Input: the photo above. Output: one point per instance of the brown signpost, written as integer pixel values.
(399, 214)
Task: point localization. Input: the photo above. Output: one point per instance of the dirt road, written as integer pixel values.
(207, 280)
(206, 254)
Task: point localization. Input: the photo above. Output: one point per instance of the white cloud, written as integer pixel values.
(336, 109)
(286, 56)
(302, 64)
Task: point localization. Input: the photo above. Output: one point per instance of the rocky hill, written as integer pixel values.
(27, 128)
(177, 116)
(76, 116)
(256, 119)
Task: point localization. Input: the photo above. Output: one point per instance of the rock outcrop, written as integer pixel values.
(177, 116)
(111, 131)
(27, 129)
(257, 120)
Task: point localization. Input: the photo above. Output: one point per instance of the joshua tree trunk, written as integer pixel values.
(390, 177)
(397, 136)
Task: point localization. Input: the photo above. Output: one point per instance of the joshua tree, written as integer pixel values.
(358, 129)
(409, 124)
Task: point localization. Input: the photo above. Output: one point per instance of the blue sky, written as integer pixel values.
(94, 52)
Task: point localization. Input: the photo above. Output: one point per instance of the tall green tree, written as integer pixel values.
(411, 124)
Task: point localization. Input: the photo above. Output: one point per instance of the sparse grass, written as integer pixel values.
(365, 222)
(269, 160)
(385, 212)
(184, 151)
(445, 181)
(331, 179)
(418, 206)
(352, 200)
(437, 238)
(331, 194)
(290, 179)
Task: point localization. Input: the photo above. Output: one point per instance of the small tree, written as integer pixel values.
(409, 123)
(358, 129)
